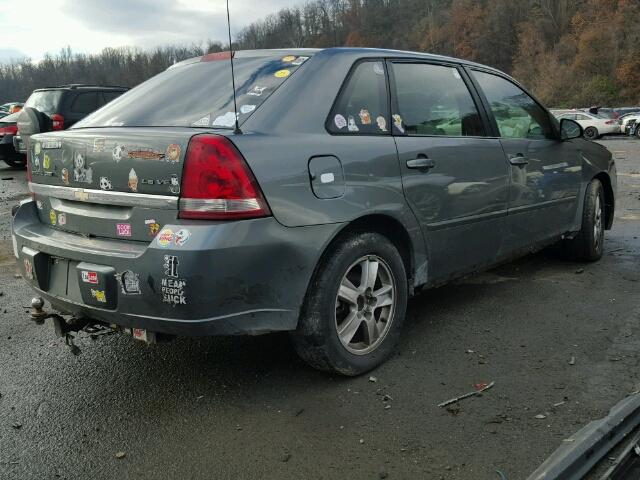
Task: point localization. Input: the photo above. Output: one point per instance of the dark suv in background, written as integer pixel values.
(59, 108)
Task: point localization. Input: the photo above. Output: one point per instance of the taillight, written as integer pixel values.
(57, 121)
(217, 183)
(9, 130)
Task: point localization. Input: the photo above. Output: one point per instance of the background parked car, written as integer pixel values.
(626, 110)
(8, 129)
(628, 124)
(67, 104)
(594, 125)
(12, 107)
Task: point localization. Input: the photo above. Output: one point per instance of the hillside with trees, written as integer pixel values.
(569, 52)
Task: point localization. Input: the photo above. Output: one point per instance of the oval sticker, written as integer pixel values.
(282, 73)
(289, 58)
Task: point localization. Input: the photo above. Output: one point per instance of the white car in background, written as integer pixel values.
(593, 125)
(624, 121)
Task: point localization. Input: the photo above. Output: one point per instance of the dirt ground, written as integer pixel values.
(559, 339)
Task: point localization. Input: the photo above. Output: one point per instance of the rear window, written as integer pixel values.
(198, 94)
(46, 101)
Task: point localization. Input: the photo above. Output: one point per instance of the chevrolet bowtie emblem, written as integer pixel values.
(81, 195)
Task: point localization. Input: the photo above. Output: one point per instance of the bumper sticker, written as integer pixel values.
(99, 295)
(99, 145)
(153, 227)
(53, 217)
(65, 176)
(123, 229)
(62, 219)
(130, 283)
(105, 184)
(89, 277)
(28, 269)
(119, 152)
(171, 263)
(80, 172)
(173, 291)
(181, 237)
(165, 238)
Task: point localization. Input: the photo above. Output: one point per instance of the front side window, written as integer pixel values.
(516, 113)
(363, 106)
(433, 100)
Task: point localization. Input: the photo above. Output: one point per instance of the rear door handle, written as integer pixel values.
(518, 160)
(422, 163)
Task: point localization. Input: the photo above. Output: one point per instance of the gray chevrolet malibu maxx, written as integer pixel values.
(352, 179)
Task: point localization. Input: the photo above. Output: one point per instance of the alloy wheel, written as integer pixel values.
(365, 305)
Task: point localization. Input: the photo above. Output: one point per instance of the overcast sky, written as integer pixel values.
(33, 27)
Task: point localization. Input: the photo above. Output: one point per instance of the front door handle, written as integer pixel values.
(518, 160)
(422, 163)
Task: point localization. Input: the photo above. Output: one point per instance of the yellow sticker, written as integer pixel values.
(53, 217)
(282, 73)
(46, 163)
(289, 58)
(99, 295)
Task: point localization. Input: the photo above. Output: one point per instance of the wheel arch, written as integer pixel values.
(609, 198)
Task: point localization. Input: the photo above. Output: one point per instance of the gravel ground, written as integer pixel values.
(559, 340)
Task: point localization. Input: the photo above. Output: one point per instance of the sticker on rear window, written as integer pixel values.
(382, 123)
(203, 122)
(282, 73)
(256, 91)
(378, 69)
(352, 127)
(340, 121)
(226, 120)
(365, 117)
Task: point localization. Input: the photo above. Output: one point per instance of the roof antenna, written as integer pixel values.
(233, 77)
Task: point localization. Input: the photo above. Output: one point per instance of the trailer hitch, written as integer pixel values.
(66, 327)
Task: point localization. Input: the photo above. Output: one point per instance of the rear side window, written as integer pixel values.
(433, 100)
(516, 113)
(46, 101)
(108, 96)
(362, 108)
(85, 102)
(199, 92)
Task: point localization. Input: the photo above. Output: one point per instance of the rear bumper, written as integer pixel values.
(244, 277)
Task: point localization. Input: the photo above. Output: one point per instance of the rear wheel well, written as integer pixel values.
(609, 198)
(384, 225)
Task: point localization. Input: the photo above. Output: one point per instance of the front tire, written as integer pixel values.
(591, 133)
(588, 245)
(355, 306)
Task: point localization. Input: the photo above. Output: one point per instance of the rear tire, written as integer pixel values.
(588, 244)
(15, 162)
(354, 308)
(591, 133)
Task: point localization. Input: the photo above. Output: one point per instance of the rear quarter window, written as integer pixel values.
(362, 107)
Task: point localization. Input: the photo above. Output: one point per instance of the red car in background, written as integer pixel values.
(8, 129)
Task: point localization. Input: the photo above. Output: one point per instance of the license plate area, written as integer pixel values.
(97, 284)
(58, 276)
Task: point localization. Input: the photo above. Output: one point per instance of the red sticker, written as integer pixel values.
(90, 277)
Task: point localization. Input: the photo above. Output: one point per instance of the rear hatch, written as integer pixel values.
(118, 172)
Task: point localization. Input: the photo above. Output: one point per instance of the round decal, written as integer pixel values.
(340, 121)
(165, 238)
(289, 58)
(282, 73)
(173, 152)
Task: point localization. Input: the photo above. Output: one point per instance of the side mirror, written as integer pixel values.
(570, 129)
